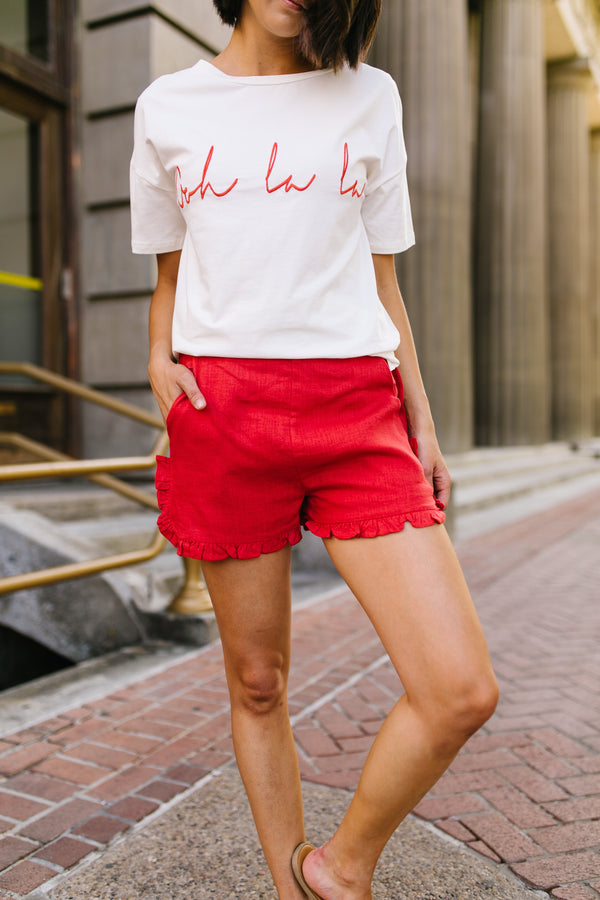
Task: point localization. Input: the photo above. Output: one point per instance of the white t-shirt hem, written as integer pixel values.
(168, 247)
(397, 247)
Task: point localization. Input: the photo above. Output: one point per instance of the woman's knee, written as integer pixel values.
(259, 688)
(475, 704)
(463, 707)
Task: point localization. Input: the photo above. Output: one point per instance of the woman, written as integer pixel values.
(271, 184)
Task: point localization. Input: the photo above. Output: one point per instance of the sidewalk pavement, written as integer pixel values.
(148, 769)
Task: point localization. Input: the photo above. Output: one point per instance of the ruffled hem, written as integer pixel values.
(420, 518)
(214, 550)
(211, 550)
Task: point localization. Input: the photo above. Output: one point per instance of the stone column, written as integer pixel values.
(595, 256)
(569, 250)
(423, 44)
(511, 330)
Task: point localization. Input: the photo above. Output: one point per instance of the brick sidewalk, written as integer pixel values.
(525, 790)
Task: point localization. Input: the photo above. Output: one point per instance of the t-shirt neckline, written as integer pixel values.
(260, 79)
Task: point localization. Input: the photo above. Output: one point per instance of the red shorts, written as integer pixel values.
(289, 442)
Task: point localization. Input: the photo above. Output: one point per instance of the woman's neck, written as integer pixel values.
(252, 51)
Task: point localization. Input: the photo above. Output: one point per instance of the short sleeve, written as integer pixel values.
(386, 207)
(157, 223)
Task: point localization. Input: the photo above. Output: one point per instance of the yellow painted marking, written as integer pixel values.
(21, 281)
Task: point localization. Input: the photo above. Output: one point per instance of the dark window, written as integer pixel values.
(24, 27)
(20, 282)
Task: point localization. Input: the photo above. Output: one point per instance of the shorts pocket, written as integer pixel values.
(162, 481)
(165, 523)
(398, 385)
(179, 399)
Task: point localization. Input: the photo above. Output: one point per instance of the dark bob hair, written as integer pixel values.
(334, 31)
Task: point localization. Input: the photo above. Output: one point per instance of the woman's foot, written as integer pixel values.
(327, 881)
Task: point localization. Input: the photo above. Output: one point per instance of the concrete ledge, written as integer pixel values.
(194, 630)
(27, 704)
(76, 623)
(121, 59)
(197, 17)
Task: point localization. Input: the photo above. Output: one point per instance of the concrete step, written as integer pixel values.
(115, 533)
(68, 501)
(72, 622)
(483, 462)
(506, 511)
(498, 486)
(477, 490)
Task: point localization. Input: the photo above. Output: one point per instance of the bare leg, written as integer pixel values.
(412, 588)
(252, 605)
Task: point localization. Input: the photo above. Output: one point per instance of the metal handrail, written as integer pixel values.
(81, 569)
(71, 469)
(76, 389)
(193, 597)
(13, 439)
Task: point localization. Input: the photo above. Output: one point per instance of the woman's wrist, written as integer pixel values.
(419, 416)
(161, 355)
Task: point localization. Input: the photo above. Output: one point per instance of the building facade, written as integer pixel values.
(502, 111)
(502, 122)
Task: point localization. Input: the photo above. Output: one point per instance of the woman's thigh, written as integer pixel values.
(412, 588)
(252, 603)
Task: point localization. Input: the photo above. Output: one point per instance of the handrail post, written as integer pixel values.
(193, 598)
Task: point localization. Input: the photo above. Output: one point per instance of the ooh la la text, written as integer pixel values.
(185, 194)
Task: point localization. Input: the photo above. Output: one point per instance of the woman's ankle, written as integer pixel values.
(332, 874)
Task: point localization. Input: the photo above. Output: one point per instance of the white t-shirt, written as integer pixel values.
(277, 189)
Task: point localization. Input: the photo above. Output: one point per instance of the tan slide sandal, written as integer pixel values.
(298, 857)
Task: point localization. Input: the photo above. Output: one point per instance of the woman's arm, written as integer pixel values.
(167, 377)
(420, 423)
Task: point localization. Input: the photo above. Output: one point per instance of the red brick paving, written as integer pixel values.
(22, 878)
(105, 756)
(18, 760)
(102, 828)
(123, 783)
(39, 786)
(574, 892)
(65, 816)
(524, 791)
(68, 770)
(65, 852)
(22, 808)
(575, 810)
(12, 849)
(533, 785)
(133, 808)
(161, 790)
